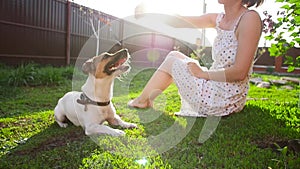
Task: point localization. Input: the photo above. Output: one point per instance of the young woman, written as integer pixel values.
(223, 88)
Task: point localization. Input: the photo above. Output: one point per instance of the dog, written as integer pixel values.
(91, 107)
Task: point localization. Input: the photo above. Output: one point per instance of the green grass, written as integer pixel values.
(29, 137)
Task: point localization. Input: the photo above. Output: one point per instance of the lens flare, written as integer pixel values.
(142, 161)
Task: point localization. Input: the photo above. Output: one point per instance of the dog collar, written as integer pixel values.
(84, 100)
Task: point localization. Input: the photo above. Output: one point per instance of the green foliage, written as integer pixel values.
(285, 32)
(284, 109)
(107, 160)
(22, 75)
(35, 75)
(18, 130)
(284, 154)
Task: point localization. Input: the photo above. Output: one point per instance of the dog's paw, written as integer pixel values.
(131, 125)
(62, 125)
(117, 132)
(128, 125)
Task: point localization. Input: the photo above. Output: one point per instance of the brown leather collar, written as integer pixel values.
(84, 100)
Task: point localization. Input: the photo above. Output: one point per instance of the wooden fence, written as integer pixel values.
(55, 32)
(47, 31)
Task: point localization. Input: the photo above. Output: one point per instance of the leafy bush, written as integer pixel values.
(22, 75)
(35, 75)
(284, 32)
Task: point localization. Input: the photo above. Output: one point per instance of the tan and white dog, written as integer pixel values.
(91, 107)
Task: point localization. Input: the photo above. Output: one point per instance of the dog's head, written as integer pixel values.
(107, 64)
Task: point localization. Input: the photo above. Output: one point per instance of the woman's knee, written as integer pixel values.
(176, 54)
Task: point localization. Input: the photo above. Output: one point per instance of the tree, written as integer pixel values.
(96, 20)
(285, 31)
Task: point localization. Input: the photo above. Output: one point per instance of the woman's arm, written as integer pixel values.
(248, 34)
(203, 21)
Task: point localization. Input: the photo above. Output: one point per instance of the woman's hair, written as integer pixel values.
(250, 3)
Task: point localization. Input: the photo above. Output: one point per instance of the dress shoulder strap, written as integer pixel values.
(239, 19)
(219, 18)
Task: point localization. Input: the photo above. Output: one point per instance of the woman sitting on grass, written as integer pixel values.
(223, 88)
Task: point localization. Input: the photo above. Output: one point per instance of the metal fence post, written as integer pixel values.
(68, 33)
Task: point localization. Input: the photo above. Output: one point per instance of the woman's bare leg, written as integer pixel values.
(159, 81)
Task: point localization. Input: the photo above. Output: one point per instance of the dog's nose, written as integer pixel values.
(126, 50)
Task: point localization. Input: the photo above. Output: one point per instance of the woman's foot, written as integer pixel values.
(136, 103)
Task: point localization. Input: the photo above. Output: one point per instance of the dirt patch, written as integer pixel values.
(275, 144)
(61, 140)
(2, 125)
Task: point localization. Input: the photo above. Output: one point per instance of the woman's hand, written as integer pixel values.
(195, 69)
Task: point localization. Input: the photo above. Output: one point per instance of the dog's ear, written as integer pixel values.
(88, 67)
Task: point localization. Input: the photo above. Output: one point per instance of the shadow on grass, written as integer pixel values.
(54, 147)
(236, 143)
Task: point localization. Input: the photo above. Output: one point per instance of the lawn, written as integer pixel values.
(260, 136)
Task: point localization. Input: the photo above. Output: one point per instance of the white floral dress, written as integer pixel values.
(202, 98)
